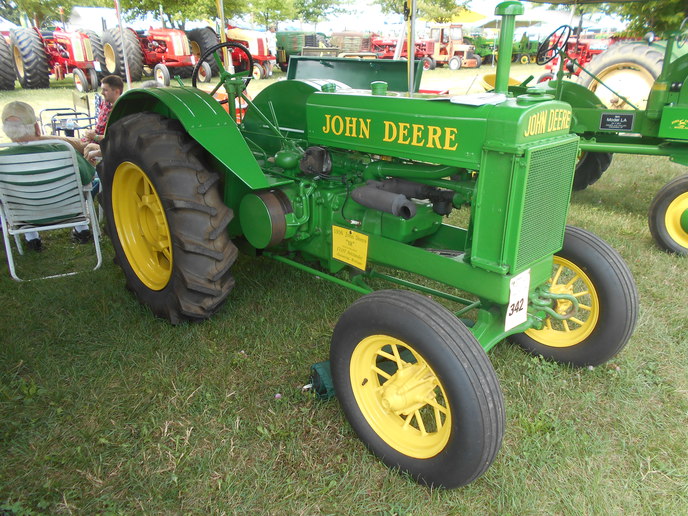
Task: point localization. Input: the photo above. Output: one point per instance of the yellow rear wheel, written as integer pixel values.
(142, 226)
(166, 217)
(625, 74)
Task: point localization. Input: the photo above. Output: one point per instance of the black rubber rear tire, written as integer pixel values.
(32, 71)
(408, 322)
(7, 72)
(191, 197)
(204, 38)
(112, 42)
(667, 210)
(97, 48)
(590, 168)
(615, 305)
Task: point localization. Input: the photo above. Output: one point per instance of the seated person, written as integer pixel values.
(112, 87)
(20, 125)
(93, 154)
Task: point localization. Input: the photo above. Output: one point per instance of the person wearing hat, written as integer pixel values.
(20, 124)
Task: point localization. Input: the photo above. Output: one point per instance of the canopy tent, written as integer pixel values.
(6, 25)
(533, 17)
(467, 17)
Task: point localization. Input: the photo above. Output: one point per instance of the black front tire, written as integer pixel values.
(668, 216)
(455, 63)
(428, 63)
(82, 83)
(161, 74)
(166, 218)
(590, 168)
(31, 61)
(608, 298)
(447, 433)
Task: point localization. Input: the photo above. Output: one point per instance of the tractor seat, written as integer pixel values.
(487, 81)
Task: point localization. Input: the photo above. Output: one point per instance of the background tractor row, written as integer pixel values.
(31, 56)
(448, 214)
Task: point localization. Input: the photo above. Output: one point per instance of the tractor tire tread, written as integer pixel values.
(131, 46)
(7, 72)
(205, 38)
(34, 59)
(590, 168)
(97, 47)
(197, 216)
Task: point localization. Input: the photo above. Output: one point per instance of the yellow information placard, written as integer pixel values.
(350, 247)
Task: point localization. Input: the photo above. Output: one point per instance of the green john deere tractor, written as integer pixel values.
(351, 185)
(631, 99)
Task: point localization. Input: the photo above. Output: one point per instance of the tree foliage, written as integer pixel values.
(177, 12)
(270, 12)
(9, 11)
(314, 11)
(43, 12)
(659, 16)
(440, 11)
(433, 10)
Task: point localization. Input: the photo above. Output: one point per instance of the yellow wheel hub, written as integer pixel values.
(676, 220)
(142, 226)
(110, 57)
(626, 79)
(400, 396)
(18, 62)
(570, 279)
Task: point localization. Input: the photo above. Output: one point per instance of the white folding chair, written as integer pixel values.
(41, 190)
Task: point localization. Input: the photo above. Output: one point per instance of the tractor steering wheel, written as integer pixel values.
(562, 35)
(243, 70)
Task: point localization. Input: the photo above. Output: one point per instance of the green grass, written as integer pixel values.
(105, 409)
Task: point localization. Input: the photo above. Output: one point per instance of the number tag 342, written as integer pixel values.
(517, 311)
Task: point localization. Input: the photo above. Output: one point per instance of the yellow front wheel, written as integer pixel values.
(417, 387)
(596, 275)
(668, 217)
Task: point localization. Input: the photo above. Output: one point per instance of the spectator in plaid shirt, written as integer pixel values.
(113, 86)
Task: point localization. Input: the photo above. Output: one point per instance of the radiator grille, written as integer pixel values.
(546, 201)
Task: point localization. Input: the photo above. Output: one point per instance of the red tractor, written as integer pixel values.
(255, 41)
(257, 44)
(451, 49)
(36, 55)
(580, 49)
(385, 48)
(155, 50)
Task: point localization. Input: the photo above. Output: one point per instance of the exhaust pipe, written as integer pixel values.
(397, 204)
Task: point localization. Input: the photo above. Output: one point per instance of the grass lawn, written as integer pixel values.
(106, 410)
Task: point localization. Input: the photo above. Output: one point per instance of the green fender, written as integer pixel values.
(206, 122)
